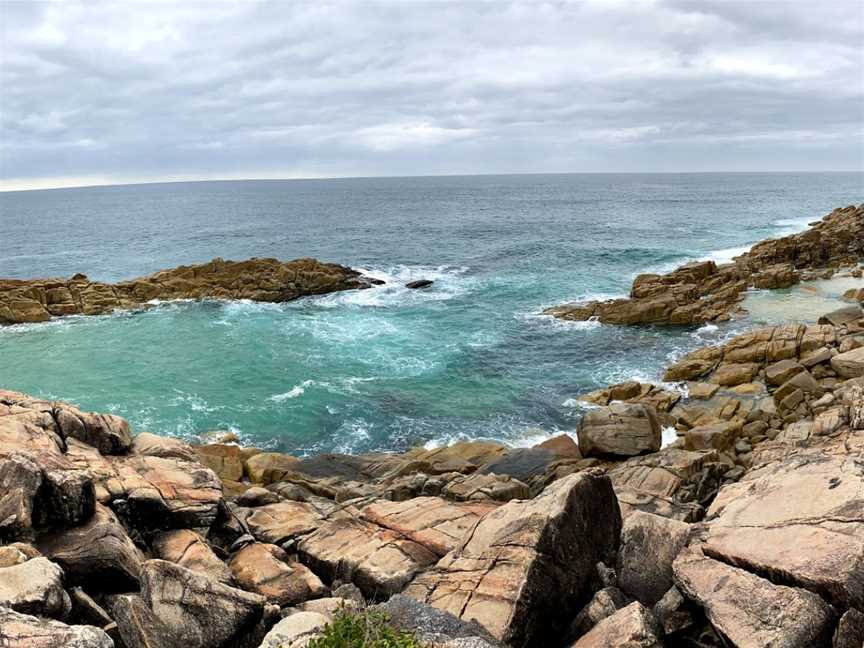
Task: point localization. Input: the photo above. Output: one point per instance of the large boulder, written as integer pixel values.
(619, 429)
(435, 523)
(749, 611)
(295, 630)
(265, 570)
(649, 545)
(378, 560)
(99, 550)
(189, 550)
(224, 459)
(849, 364)
(109, 434)
(278, 523)
(24, 631)
(525, 569)
(200, 612)
(798, 521)
(631, 627)
(34, 587)
(20, 480)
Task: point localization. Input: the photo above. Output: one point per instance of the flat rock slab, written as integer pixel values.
(264, 569)
(25, 631)
(750, 611)
(378, 560)
(524, 570)
(799, 521)
(433, 522)
(277, 523)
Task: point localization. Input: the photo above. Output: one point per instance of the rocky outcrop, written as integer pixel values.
(752, 612)
(702, 291)
(266, 280)
(619, 429)
(34, 632)
(524, 569)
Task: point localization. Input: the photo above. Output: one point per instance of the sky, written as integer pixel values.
(99, 93)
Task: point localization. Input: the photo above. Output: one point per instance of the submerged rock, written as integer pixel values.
(420, 283)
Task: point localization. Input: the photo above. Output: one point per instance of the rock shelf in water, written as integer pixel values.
(264, 280)
(702, 292)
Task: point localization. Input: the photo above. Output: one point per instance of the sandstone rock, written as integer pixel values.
(631, 627)
(138, 626)
(850, 630)
(705, 437)
(256, 279)
(378, 560)
(669, 483)
(434, 523)
(276, 523)
(257, 496)
(735, 374)
(649, 545)
(796, 520)
(34, 587)
(462, 457)
(222, 459)
(496, 488)
(842, 316)
(619, 429)
(701, 391)
(780, 372)
(162, 493)
(20, 480)
(153, 445)
(107, 433)
(751, 611)
(270, 467)
(200, 612)
(99, 549)
(526, 567)
(264, 569)
(604, 603)
(187, 549)
(521, 463)
(849, 364)
(295, 631)
(24, 631)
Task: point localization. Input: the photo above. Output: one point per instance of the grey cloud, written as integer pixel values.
(146, 91)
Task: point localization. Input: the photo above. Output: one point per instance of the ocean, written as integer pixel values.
(386, 368)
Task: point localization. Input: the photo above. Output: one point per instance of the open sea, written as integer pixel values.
(386, 368)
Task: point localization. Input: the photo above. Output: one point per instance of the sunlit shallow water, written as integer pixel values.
(384, 368)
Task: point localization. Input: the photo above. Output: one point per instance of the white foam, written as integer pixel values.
(669, 436)
(726, 255)
(295, 392)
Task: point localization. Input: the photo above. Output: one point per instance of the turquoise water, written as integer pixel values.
(385, 368)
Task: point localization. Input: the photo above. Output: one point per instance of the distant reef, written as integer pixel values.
(264, 280)
(703, 291)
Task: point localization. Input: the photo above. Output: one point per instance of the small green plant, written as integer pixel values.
(364, 629)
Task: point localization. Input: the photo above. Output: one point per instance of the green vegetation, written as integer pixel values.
(362, 630)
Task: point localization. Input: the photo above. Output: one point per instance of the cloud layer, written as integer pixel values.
(126, 92)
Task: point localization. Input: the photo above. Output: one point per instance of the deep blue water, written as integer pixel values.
(385, 368)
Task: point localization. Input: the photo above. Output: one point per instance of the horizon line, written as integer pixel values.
(301, 178)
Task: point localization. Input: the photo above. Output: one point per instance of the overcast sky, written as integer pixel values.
(122, 92)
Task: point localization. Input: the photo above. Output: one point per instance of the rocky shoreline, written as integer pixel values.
(702, 291)
(265, 280)
(747, 530)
